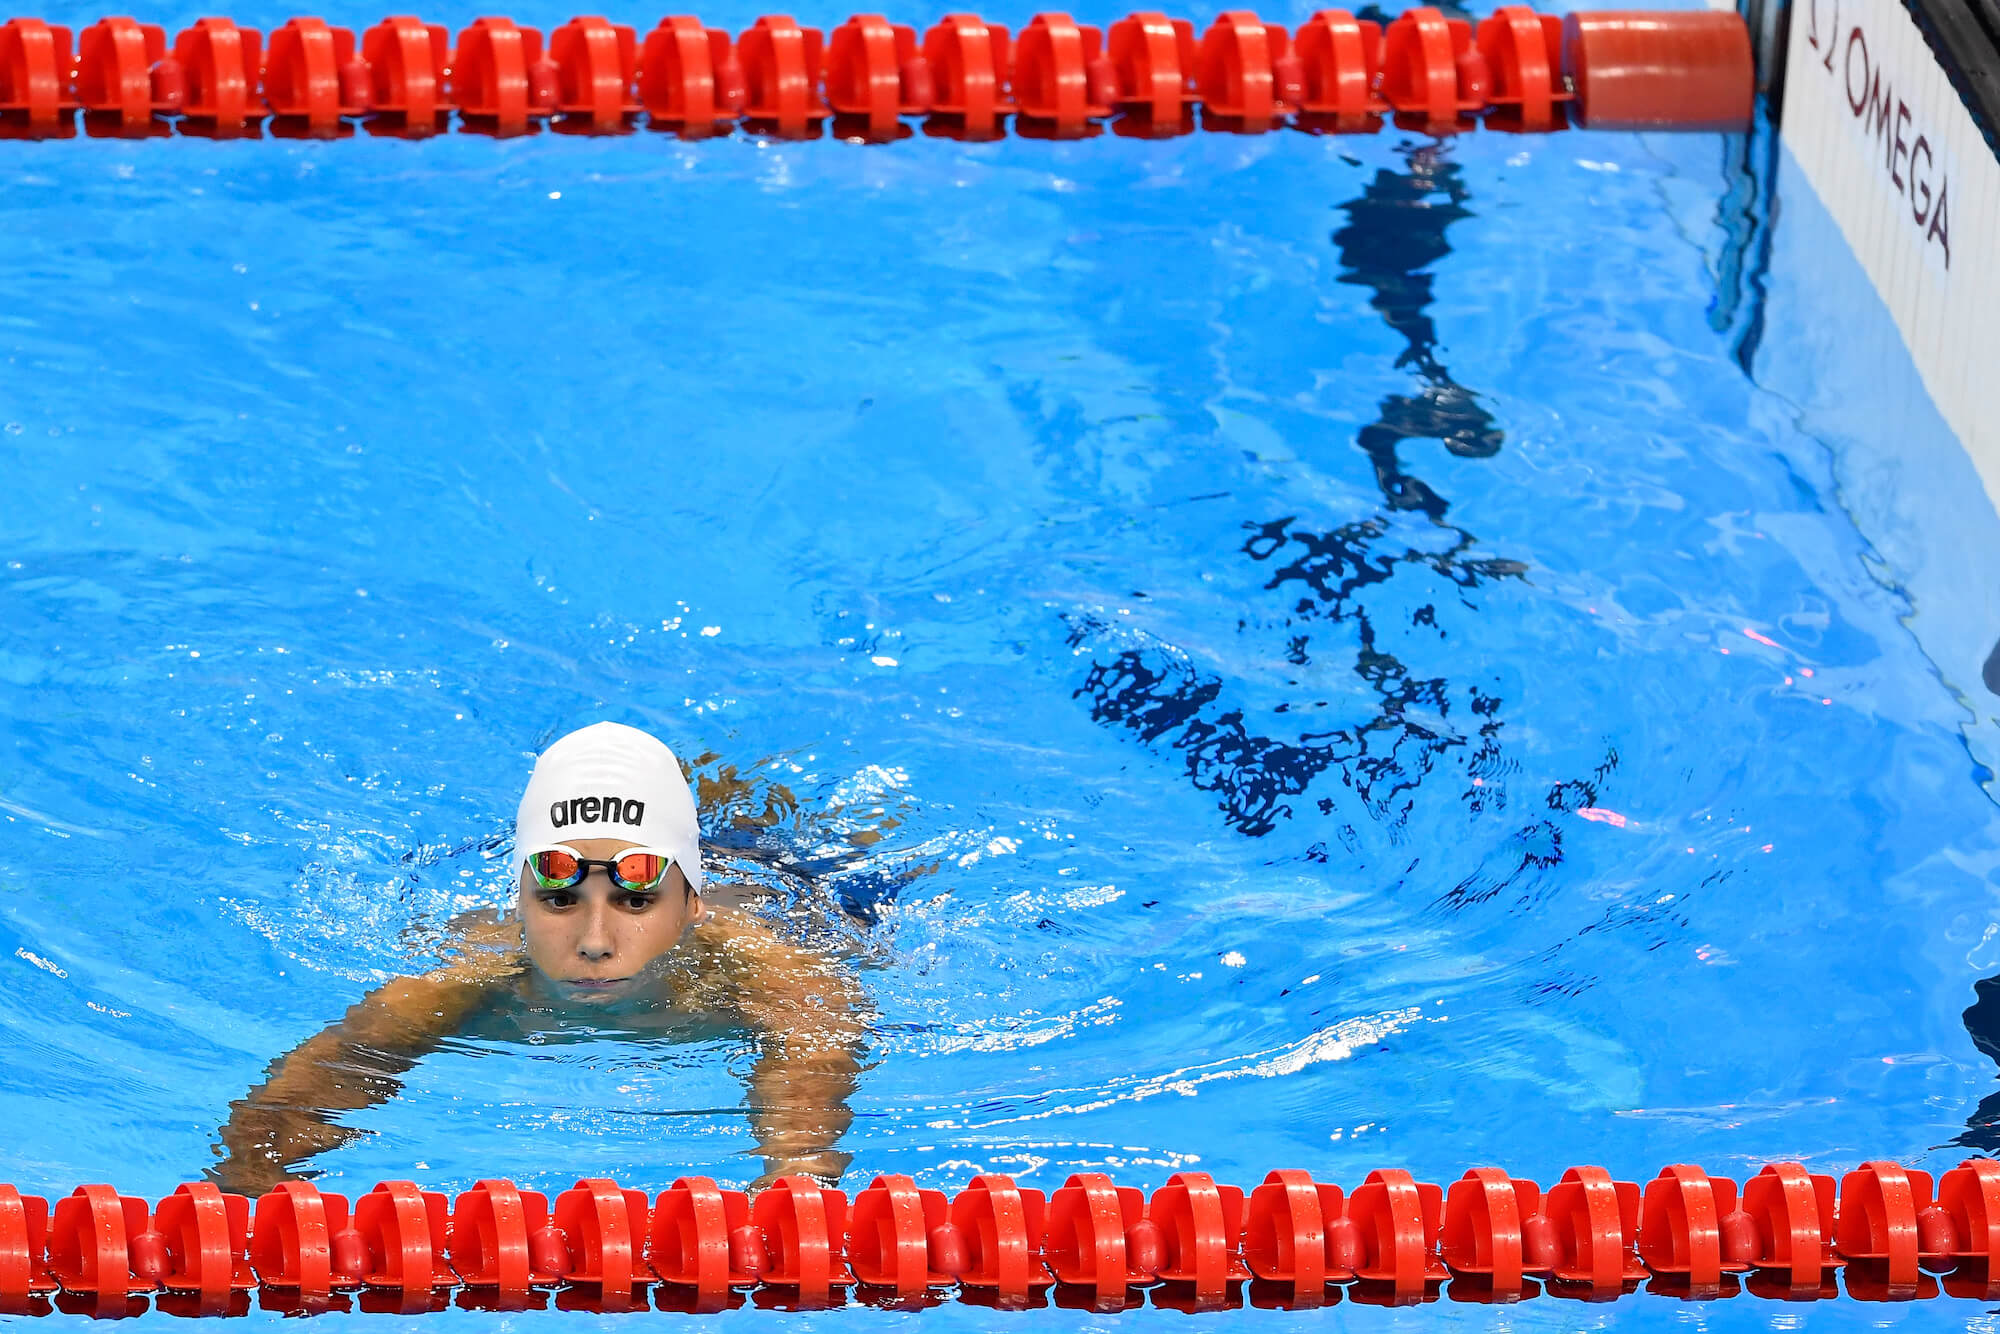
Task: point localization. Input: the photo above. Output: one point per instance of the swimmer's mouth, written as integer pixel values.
(596, 983)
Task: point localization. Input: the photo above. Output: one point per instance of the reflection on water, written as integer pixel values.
(1394, 236)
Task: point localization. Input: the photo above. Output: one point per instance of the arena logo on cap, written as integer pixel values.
(596, 810)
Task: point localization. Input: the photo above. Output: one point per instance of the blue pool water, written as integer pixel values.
(1292, 651)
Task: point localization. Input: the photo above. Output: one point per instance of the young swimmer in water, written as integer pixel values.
(611, 920)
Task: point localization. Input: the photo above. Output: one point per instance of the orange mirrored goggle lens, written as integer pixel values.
(639, 870)
(557, 869)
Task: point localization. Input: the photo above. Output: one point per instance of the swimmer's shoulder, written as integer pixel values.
(730, 944)
(726, 916)
(485, 950)
(732, 896)
(486, 928)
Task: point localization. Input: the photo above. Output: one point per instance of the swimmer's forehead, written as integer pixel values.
(600, 849)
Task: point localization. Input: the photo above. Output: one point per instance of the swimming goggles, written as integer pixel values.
(558, 867)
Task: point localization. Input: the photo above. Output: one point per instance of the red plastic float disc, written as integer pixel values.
(490, 75)
(1089, 1219)
(35, 63)
(1681, 1226)
(1523, 52)
(689, 75)
(604, 1227)
(302, 73)
(1201, 1234)
(1398, 1219)
(690, 1239)
(1683, 70)
(873, 70)
(1004, 1231)
(115, 71)
(888, 1243)
(291, 1239)
(1053, 75)
(597, 63)
(1247, 70)
(1596, 1230)
(971, 63)
(24, 1236)
(1484, 1215)
(90, 1238)
(208, 1243)
(492, 1226)
(781, 75)
(1285, 1236)
(1877, 1225)
(221, 63)
(1340, 58)
(1792, 1212)
(805, 1226)
(1154, 58)
(405, 1231)
(1970, 1194)
(1430, 68)
(407, 59)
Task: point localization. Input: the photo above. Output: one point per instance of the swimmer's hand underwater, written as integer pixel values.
(602, 923)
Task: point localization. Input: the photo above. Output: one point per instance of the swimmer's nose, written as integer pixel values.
(597, 944)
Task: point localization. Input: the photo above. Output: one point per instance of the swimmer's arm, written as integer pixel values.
(356, 1063)
(807, 1011)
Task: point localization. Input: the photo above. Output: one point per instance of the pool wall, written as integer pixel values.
(1887, 142)
(1887, 153)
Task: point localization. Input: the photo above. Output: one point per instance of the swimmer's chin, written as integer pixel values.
(596, 990)
(598, 993)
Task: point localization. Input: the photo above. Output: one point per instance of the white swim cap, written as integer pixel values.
(608, 780)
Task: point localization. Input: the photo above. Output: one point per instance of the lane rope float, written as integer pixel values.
(1880, 1234)
(966, 78)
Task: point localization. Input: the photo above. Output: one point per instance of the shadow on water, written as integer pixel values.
(1982, 1023)
(1393, 238)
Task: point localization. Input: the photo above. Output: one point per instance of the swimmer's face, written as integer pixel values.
(595, 940)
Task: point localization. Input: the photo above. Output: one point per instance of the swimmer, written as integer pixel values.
(611, 922)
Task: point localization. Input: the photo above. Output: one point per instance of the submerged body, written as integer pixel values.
(647, 952)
